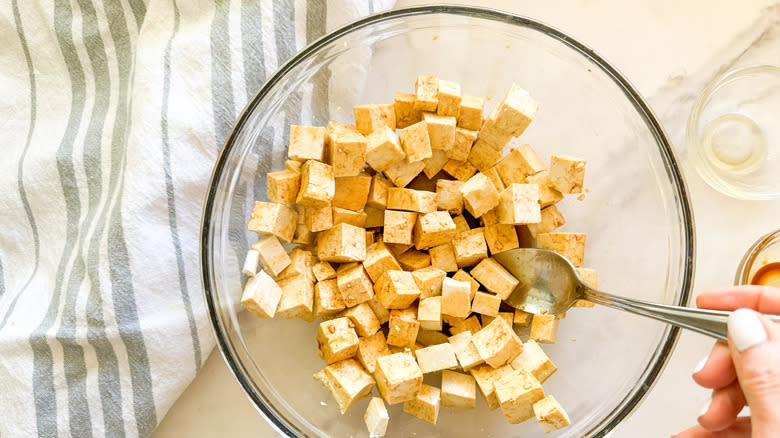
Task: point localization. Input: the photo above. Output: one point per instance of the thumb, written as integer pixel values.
(754, 342)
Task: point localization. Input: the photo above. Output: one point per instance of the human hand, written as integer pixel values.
(746, 371)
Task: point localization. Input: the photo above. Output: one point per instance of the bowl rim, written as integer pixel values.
(665, 348)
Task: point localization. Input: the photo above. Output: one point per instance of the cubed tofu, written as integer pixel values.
(458, 390)
(544, 328)
(341, 244)
(479, 195)
(443, 257)
(273, 218)
(435, 163)
(403, 172)
(460, 170)
(318, 185)
(425, 405)
(376, 418)
(436, 358)
(523, 319)
(547, 195)
(441, 131)
(398, 377)
(497, 343)
(469, 247)
(486, 303)
(293, 165)
(304, 236)
(466, 353)
(365, 320)
(337, 340)
(297, 298)
(405, 113)
(412, 260)
(483, 155)
(301, 262)
(462, 275)
(307, 143)
(373, 116)
(508, 318)
(489, 218)
(430, 337)
(323, 271)
(351, 192)
(380, 311)
(449, 98)
(534, 360)
(378, 260)
(491, 137)
(327, 298)
(455, 298)
(416, 142)
(355, 286)
(344, 216)
(551, 219)
(429, 280)
(566, 173)
(426, 93)
(495, 278)
(591, 278)
(492, 175)
(519, 204)
(569, 245)
(486, 378)
(470, 324)
(470, 114)
(396, 289)
(460, 224)
(346, 149)
(403, 327)
(283, 186)
(448, 196)
(551, 414)
(399, 198)
(501, 237)
(377, 195)
(371, 348)
(318, 219)
(518, 164)
(516, 111)
(251, 262)
(516, 393)
(429, 313)
(461, 147)
(374, 218)
(383, 149)
(432, 229)
(399, 227)
(347, 381)
(261, 295)
(272, 254)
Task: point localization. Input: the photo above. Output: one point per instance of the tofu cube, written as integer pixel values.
(429, 337)
(495, 278)
(569, 245)
(470, 113)
(399, 227)
(303, 236)
(251, 261)
(443, 257)
(297, 298)
(380, 311)
(591, 278)
(377, 194)
(501, 237)
(294, 166)
(416, 142)
(426, 93)
(492, 137)
(483, 155)
(364, 319)
(374, 218)
(492, 175)
(449, 98)
(373, 116)
(508, 317)
(432, 229)
(466, 353)
(460, 170)
(272, 254)
(301, 261)
(403, 172)
(376, 417)
(378, 260)
(396, 289)
(521, 318)
(516, 111)
(318, 218)
(261, 295)
(429, 314)
(547, 194)
(307, 143)
(455, 298)
(441, 131)
(323, 271)
(479, 195)
(519, 204)
(469, 247)
(355, 286)
(566, 173)
(405, 113)
(534, 360)
(283, 186)
(383, 149)
(497, 343)
(435, 163)
(487, 378)
(458, 390)
(551, 219)
(519, 164)
(327, 298)
(550, 414)
(429, 281)
(460, 224)
(544, 328)
(399, 198)
(425, 405)
(273, 218)
(337, 340)
(341, 244)
(398, 377)
(318, 185)
(412, 260)
(489, 218)
(470, 324)
(448, 196)
(516, 393)
(346, 149)
(461, 146)
(371, 348)
(486, 304)
(344, 216)
(436, 358)
(462, 275)
(351, 192)
(347, 381)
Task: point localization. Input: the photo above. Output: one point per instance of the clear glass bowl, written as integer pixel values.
(636, 211)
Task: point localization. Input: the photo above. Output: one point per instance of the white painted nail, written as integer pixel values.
(700, 366)
(705, 408)
(746, 329)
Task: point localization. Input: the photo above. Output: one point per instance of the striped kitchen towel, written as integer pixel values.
(113, 113)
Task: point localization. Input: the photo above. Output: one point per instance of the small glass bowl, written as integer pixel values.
(733, 138)
(764, 251)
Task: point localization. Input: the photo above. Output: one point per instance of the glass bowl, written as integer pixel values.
(763, 255)
(635, 211)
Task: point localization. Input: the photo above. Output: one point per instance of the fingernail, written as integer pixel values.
(700, 366)
(745, 329)
(705, 408)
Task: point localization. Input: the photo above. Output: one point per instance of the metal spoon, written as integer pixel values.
(549, 284)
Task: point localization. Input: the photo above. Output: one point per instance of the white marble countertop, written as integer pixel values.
(669, 50)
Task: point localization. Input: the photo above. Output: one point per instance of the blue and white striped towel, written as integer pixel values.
(113, 113)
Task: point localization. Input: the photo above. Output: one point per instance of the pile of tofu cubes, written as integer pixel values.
(387, 259)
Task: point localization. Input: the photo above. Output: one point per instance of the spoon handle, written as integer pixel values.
(708, 322)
